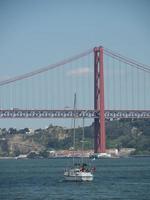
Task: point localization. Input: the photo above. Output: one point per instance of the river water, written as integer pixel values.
(115, 179)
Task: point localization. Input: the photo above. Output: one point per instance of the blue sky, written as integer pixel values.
(35, 33)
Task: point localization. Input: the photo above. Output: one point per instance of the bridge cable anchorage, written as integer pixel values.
(126, 60)
(47, 68)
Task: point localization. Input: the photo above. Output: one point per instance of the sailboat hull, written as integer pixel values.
(72, 175)
(78, 178)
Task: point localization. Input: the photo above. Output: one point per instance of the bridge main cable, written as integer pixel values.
(47, 68)
(128, 61)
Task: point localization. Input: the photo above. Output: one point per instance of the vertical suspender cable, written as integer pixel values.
(126, 87)
(138, 90)
(144, 85)
(132, 87)
(114, 91)
(120, 86)
(107, 82)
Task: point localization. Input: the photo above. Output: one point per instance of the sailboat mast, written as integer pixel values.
(82, 139)
(74, 126)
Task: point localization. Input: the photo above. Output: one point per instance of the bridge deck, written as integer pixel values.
(109, 114)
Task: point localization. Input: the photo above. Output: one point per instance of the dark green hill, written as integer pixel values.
(129, 134)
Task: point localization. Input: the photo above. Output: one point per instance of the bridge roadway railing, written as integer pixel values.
(109, 114)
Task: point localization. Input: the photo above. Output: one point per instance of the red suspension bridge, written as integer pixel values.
(108, 86)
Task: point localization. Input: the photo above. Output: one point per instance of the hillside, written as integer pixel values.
(129, 134)
(119, 133)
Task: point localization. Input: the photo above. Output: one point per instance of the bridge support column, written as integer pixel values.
(99, 124)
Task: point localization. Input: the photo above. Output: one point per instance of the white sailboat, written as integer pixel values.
(79, 172)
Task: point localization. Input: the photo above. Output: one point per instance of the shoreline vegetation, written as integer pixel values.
(67, 157)
(123, 138)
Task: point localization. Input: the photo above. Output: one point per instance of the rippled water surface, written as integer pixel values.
(114, 179)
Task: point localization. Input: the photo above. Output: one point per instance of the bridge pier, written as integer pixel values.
(99, 124)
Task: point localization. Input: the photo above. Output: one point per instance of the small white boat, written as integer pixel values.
(78, 173)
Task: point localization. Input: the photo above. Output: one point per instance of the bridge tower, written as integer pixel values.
(99, 123)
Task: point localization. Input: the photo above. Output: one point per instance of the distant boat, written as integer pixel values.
(100, 155)
(79, 172)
